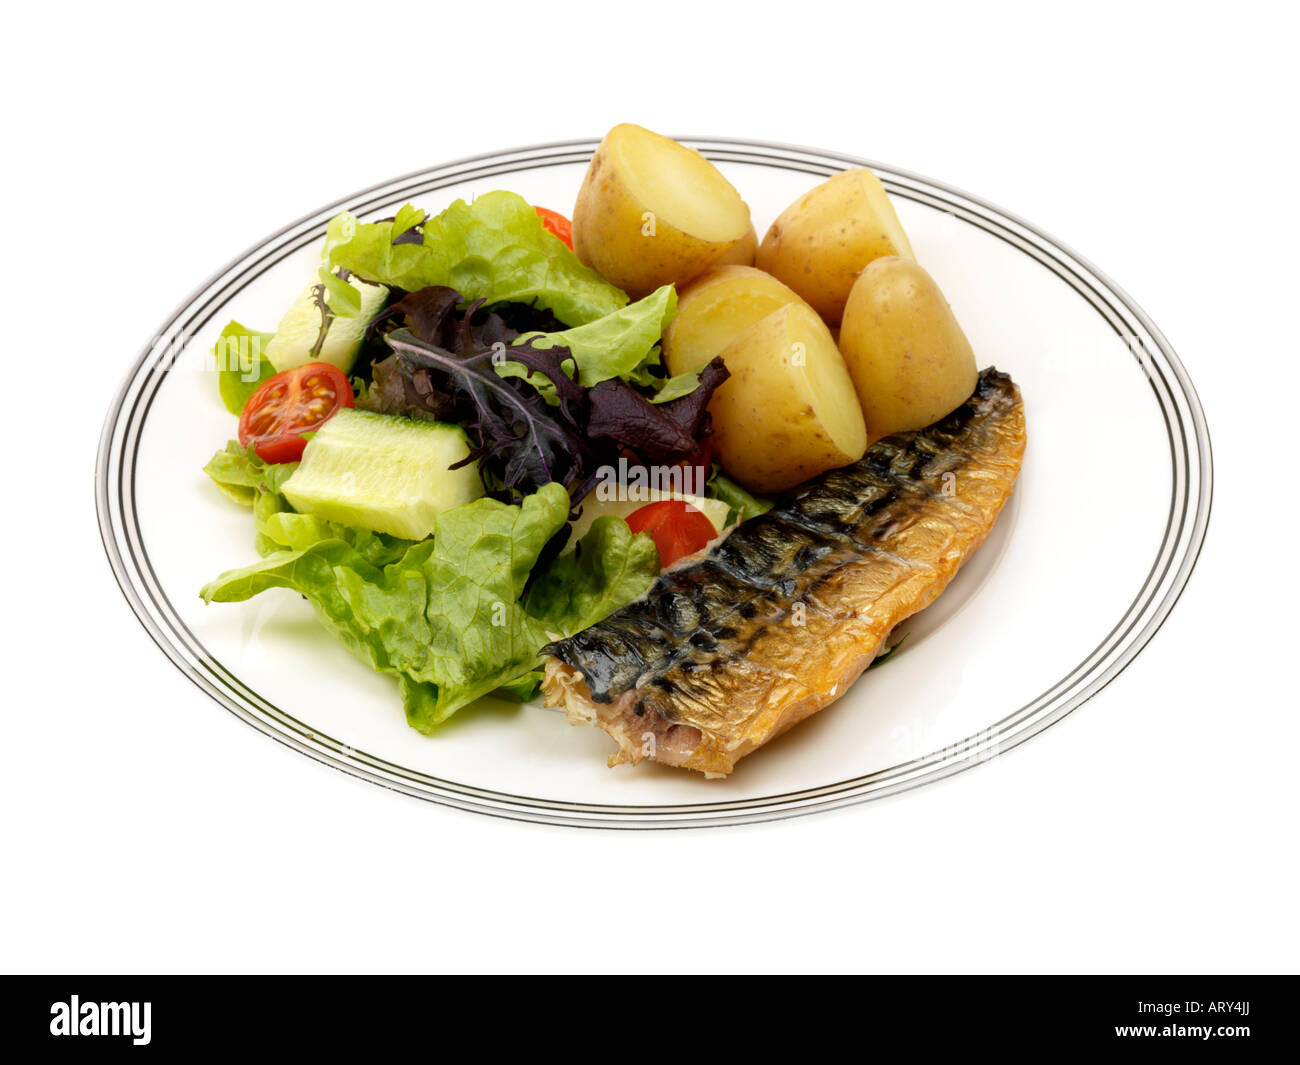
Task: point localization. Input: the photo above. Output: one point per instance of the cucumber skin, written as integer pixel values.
(384, 473)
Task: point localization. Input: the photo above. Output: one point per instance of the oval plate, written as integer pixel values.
(1084, 565)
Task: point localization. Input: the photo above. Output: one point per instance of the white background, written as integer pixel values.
(146, 829)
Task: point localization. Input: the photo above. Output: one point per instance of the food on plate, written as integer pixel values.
(556, 223)
(788, 411)
(345, 308)
(822, 241)
(289, 405)
(742, 252)
(497, 249)
(909, 359)
(500, 453)
(727, 651)
(386, 474)
(717, 509)
(652, 212)
(716, 308)
(462, 613)
(677, 528)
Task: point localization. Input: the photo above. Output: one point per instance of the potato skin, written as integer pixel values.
(776, 422)
(613, 235)
(910, 361)
(716, 308)
(743, 252)
(822, 241)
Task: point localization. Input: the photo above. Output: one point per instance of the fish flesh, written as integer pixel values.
(734, 645)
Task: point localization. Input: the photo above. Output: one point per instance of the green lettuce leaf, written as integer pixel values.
(675, 387)
(606, 570)
(281, 528)
(235, 472)
(524, 687)
(743, 504)
(618, 345)
(494, 249)
(246, 479)
(447, 617)
(241, 366)
(624, 344)
(241, 474)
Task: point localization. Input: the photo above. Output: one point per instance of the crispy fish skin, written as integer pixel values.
(731, 647)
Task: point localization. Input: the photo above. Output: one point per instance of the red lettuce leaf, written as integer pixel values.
(662, 433)
(443, 368)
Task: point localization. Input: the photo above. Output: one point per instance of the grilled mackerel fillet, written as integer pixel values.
(734, 645)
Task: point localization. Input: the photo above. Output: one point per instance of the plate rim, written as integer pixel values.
(1192, 486)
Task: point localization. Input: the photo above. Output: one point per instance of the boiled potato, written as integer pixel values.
(742, 252)
(788, 411)
(716, 308)
(822, 241)
(910, 362)
(652, 212)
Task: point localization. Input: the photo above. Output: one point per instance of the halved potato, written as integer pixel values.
(788, 411)
(716, 308)
(822, 241)
(652, 212)
(742, 252)
(909, 359)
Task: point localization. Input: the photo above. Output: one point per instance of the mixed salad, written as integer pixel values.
(461, 443)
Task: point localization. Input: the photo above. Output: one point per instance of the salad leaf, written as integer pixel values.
(337, 296)
(445, 367)
(408, 220)
(881, 659)
(235, 472)
(475, 572)
(605, 571)
(682, 384)
(623, 344)
(619, 344)
(743, 504)
(524, 687)
(429, 313)
(447, 617)
(529, 420)
(241, 366)
(519, 438)
(665, 433)
(609, 568)
(281, 528)
(241, 474)
(495, 249)
(246, 479)
(527, 318)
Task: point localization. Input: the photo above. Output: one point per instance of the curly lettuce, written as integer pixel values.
(494, 249)
(743, 504)
(241, 366)
(244, 477)
(465, 612)
(623, 343)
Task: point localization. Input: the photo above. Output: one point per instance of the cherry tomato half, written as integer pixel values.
(677, 527)
(557, 224)
(289, 404)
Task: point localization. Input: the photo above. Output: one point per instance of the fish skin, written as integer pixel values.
(731, 647)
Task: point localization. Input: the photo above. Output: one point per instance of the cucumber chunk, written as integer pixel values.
(299, 329)
(383, 473)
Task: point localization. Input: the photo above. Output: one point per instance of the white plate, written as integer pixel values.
(1087, 560)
